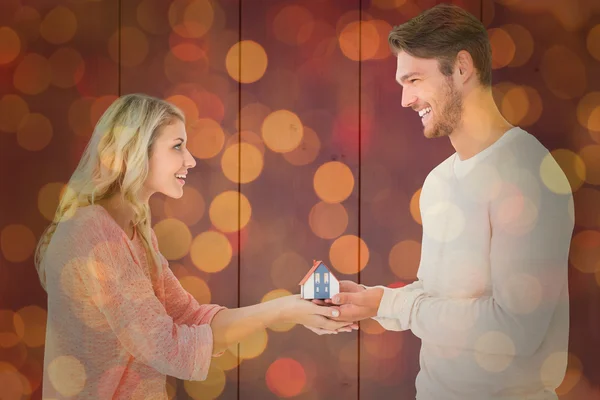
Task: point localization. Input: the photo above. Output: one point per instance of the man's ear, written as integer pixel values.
(464, 65)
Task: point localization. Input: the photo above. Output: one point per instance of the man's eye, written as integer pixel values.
(413, 80)
(177, 146)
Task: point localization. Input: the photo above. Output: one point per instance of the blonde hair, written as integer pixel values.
(115, 160)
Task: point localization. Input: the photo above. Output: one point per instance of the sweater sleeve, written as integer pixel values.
(182, 306)
(529, 247)
(126, 297)
(179, 303)
(395, 323)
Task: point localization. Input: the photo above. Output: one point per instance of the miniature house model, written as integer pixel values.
(319, 283)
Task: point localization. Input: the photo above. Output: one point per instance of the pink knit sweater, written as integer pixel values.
(112, 333)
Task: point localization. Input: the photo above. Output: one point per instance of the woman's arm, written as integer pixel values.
(231, 326)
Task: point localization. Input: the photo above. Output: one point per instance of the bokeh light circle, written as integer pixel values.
(404, 259)
(275, 294)
(174, 238)
(230, 211)
(67, 374)
(503, 47)
(13, 109)
(34, 325)
(211, 388)
(32, 76)
(333, 182)
(293, 25)
(569, 164)
(10, 45)
(35, 132)
(328, 220)
(59, 25)
(66, 67)
(593, 42)
(186, 105)
(282, 131)
(211, 251)
(254, 345)
(191, 18)
(12, 328)
(307, 151)
(343, 254)
(588, 111)
(566, 80)
(17, 243)
(197, 287)
(254, 61)
(49, 197)
(591, 158)
(286, 377)
(359, 40)
(585, 251)
(524, 44)
(205, 138)
(251, 160)
(189, 209)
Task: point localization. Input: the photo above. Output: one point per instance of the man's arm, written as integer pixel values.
(529, 268)
(530, 243)
(394, 324)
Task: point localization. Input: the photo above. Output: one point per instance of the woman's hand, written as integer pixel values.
(312, 316)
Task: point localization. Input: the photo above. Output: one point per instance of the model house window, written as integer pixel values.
(326, 277)
(317, 278)
(317, 289)
(327, 288)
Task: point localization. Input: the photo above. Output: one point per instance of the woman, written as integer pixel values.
(118, 319)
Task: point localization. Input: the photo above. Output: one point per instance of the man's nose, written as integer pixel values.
(408, 98)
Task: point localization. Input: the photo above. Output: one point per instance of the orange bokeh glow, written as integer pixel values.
(328, 220)
(344, 254)
(205, 138)
(32, 76)
(191, 18)
(10, 45)
(358, 48)
(333, 182)
(282, 131)
(585, 251)
(17, 243)
(503, 47)
(293, 25)
(286, 377)
(211, 251)
(253, 63)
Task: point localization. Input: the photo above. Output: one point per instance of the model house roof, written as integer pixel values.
(312, 270)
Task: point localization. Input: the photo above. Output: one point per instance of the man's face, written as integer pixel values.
(430, 93)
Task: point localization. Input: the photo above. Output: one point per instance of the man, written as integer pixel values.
(491, 301)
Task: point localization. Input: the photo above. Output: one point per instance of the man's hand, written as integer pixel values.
(358, 305)
(345, 286)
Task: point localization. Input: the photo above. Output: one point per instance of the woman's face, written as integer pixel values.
(169, 161)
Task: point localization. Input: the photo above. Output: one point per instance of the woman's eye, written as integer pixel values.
(177, 146)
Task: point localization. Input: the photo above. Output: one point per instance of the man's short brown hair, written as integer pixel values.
(440, 33)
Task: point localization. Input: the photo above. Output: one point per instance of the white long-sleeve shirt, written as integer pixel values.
(491, 301)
